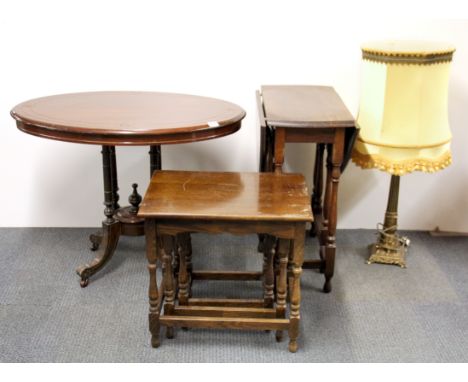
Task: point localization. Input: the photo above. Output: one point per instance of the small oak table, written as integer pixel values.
(179, 203)
(125, 118)
(314, 114)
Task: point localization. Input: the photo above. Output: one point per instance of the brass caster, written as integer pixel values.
(84, 283)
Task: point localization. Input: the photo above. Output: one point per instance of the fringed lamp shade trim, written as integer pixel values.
(402, 167)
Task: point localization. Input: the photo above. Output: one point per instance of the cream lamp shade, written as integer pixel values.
(403, 117)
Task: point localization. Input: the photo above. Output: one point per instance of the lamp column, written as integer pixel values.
(390, 248)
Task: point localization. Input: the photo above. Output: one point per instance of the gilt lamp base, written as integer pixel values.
(384, 255)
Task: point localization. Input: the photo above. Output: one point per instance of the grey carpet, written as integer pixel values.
(375, 313)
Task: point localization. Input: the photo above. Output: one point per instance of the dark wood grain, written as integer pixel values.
(128, 118)
(227, 196)
(304, 106)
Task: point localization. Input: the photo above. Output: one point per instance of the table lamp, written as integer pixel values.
(403, 123)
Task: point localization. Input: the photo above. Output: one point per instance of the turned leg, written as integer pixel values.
(183, 277)
(333, 178)
(269, 164)
(185, 243)
(111, 164)
(155, 158)
(154, 310)
(268, 271)
(323, 234)
(115, 186)
(176, 262)
(316, 198)
(188, 254)
(110, 226)
(296, 268)
(168, 279)
(281, 284)
(262, 167)
(263, 148)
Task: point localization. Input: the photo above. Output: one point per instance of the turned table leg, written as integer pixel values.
(281, 284)
(268, 271)
(110, 226)
(328, 239)
(295, 299)
(155, 158)
(119, 221)
(267, 159)
(168, 279)
(316, 198)
(184, 247)
(183, 275)
(153, 293)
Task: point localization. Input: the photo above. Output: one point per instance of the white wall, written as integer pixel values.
(223, 49)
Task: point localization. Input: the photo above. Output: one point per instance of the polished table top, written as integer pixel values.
(227, 196)
(128, 117)
(305, 106)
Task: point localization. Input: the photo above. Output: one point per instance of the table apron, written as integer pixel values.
(122, 139)
(283, 230)
(318, 135)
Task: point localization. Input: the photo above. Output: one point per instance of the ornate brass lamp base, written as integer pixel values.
(383, 255)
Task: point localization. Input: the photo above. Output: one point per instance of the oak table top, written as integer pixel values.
(227, 196)
(305, 106)
(128, 118)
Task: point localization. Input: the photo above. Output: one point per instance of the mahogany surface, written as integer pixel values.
(128, 117)
(227, 196)
(125, 118)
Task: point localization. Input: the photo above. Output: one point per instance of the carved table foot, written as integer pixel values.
(110, 238)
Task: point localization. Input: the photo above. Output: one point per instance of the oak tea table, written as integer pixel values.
(125, 118)
(313, 114)
(179, 203)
